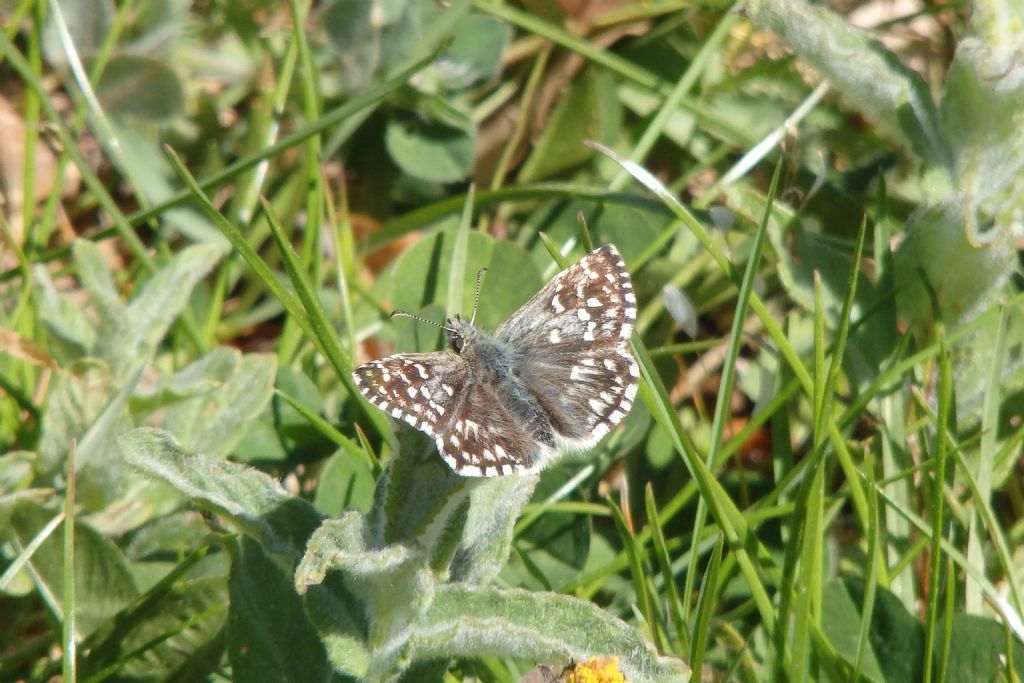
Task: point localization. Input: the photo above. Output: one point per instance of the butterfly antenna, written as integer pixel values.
(407, 314)
(476, 299)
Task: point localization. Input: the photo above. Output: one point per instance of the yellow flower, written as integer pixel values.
(596, 670)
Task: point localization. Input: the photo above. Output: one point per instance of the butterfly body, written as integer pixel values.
(557, 375)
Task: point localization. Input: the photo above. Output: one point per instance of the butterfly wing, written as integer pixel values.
(487, 437)
(573, 337)
(477, 433)
(419, 388)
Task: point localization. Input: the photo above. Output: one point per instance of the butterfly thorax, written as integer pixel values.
(486, 358)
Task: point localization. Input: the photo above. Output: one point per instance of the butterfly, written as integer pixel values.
(556, 376)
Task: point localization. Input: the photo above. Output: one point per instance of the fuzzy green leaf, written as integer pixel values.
(202, 376)
(103, 582)
(255, 502)
(536, 627)
(73, 334)
(159, 302)
(986, 139)
(81, 394)
(88, 23)
(869, 76)
(269, 636)
(937, 258)
(214, 422)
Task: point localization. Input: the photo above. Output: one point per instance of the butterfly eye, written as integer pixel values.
(455, 341)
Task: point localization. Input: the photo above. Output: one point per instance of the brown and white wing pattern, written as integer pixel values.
(574, 336)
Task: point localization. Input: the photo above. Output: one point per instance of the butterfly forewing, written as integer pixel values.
(419, 388)
(590, 304)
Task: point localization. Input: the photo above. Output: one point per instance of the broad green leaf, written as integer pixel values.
(177, 632)
(630, 228)
(417, 491)
(72, 333)
(141, 87)
(372, 36)
(78, 397)
(103, 581)
(213, 423)
(16, 471)
(341, 544)
(465, 621)
(475, 52)
(989, 23)
(102, 476)
(157, 304)
(495, 505)
(392, 582)
(420, 281)
(986, 140)
(432, 149)
(936, 257)
(589, 109)
(897, 639)
(978, 650)
(253, 501)
(269, 636)
(345, 482)
(512, 279)
(93, 268)
(339, 616)
(204, 375)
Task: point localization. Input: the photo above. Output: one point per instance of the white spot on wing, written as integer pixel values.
(555, 336)
(593, 302)
(582, 314)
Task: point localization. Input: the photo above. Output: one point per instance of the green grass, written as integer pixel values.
(821, 485)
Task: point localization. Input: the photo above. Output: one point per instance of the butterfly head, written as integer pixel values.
(459, 333)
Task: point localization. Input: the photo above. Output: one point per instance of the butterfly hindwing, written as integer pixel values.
(486, 436)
